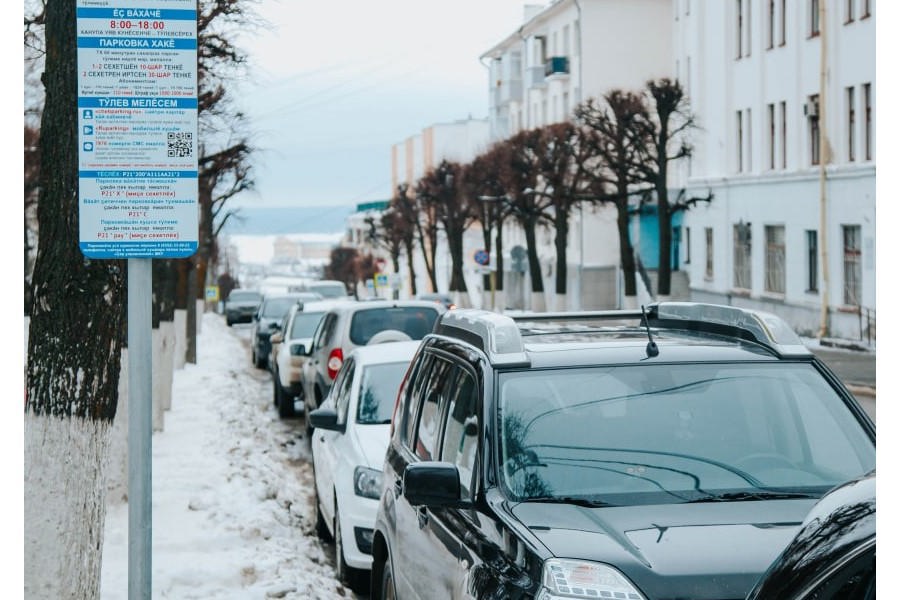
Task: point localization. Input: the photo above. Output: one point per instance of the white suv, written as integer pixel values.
(289, 346)
(352, 324)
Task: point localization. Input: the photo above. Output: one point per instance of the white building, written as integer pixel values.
(563, 54)
(752, 71)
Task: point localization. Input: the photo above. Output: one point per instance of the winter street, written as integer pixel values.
(233, 514)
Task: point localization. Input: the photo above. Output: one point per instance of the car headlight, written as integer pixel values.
(565, 578)
(367, 482)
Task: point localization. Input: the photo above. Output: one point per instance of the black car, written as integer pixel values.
(833, 555)
(241, 305)
(663, 454)
(267, 320)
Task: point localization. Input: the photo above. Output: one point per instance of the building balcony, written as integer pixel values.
(556, 66)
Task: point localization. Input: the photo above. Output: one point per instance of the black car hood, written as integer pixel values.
(705, 551)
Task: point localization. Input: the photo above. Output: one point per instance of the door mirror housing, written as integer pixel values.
(433, 484)
(325, 417)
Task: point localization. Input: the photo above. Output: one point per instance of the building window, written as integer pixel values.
(749, 136)
(770, 114)
(812, 117)
(852, 265)
(739, 121)
(566, 41)
(782, 38)
(783, 110)
(708, 273)
(813, 18)
(775, 259)
(687, 7)
(866, 10)
(851, 124)
(739, 33)
(770, 25)
(848, 11)
(742, 256)
(812, 260)
(748, 22)
(867, 107)
(687, 245)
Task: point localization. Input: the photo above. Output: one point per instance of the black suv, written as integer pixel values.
(668, 453)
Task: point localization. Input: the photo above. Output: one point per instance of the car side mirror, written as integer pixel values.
(298, 350)
(276, 338)
(325, 417)
(274, 325)
(434, 484)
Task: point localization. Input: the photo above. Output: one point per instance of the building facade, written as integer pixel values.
(784, 96)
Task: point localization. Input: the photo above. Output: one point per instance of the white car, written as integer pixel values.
(288, 351)
(350, 437)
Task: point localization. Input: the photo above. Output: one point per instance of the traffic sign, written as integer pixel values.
(482, 257)
(212, 293)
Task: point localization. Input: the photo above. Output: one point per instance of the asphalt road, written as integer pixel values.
(857, 370)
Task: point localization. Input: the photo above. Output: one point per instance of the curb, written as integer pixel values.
(846, 345)
(861, 390)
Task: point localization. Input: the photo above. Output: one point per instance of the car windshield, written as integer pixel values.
(305, 324)
(328, 290)
(276, 308)
(378, 392)
(414, 321)
(677, 433)
(244, 297)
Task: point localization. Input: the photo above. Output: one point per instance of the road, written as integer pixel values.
(857, 370)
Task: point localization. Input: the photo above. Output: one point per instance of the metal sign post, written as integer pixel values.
(137, 188)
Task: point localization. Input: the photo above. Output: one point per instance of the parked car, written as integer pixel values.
(656, 455)
(268, 319)
(833, 555)
(289, 346)
(443, 299)
(240, 305)
(354, 324)
(348, 444)
(327, 288)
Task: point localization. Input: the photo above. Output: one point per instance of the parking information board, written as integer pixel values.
(137, 123)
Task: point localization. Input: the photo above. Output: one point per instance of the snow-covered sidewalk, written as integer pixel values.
(233, 514)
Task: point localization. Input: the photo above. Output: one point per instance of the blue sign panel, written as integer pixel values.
(137, 124)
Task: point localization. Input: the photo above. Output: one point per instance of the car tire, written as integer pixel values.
(321, 527)
(284, 402)
(355, 579)
(388, 592)
(275, 389)
(229, 322)
(258, 362)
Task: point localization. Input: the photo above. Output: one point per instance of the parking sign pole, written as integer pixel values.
(140, 415)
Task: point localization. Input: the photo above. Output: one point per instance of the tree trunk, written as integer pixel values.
(457, 278)
(664, 280)
(74, 349)
(411, 268)
(498, 260)
(562, 241)
(534, 263)
(626, 251)
(190, 351)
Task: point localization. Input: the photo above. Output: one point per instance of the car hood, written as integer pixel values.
(701, 551)
(372, 440)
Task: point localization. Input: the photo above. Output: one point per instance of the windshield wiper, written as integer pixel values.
(760, 495)
(577, 501)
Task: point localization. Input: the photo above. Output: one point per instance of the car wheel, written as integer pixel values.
(275, 389)
(260, 362)
(285, 402)
(353, 578)
(229, 322)
(387, 581)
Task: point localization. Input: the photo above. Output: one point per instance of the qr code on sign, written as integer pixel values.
(180, 145)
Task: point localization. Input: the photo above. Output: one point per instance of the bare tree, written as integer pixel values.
(668, 130)
(617, 132)
(403, 223)
(426, 227)
(527, 199)
(74, 348)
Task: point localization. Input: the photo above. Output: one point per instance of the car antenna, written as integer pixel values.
(652, 348)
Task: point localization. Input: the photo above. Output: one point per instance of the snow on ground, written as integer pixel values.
(233, 514)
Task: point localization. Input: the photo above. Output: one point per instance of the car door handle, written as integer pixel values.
(422, 515)
(398, 487)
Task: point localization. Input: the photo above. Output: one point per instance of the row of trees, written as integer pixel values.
(77, 306)
(615, 150)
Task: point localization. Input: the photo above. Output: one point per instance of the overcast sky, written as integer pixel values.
(335, 84)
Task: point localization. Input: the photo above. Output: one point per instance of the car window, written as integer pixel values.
(237, 296)
(274, 308)
(304, 324)
(460, 439)
(323, 331)
(641, 434)
(438, 384)
(414, 321)
(328, 290)
(342, 390)
(378, 392)
(854, 580)
(418, 377)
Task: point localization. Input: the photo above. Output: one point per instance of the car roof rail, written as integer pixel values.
(496, 335)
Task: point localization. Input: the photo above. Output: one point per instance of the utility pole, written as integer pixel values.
(824, 157)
